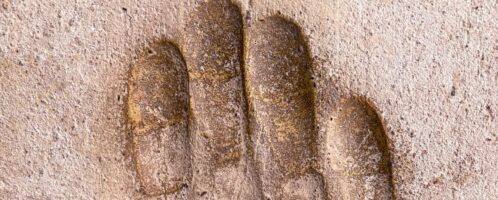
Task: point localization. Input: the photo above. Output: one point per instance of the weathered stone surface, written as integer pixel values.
(281, 96)
(213, 50)
(427, 68)
(157, 110)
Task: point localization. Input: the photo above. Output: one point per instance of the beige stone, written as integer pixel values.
(428, 70)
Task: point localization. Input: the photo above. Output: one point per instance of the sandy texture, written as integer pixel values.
(429, 67)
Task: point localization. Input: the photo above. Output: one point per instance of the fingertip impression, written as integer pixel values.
(157, 112)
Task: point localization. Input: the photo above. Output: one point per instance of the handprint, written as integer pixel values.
(233, 117)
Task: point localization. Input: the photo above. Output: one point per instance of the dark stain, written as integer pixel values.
(490, 111)
(453, 91)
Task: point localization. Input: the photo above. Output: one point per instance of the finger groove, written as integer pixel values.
(218, 123)
(281, 96)
(157, 111)
(358, 161)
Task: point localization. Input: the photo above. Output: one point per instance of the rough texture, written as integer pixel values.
(213, 51)
(281, 97)
(357, 164)
(428, 67)
(157, 109)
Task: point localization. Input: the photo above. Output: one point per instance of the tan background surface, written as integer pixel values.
(431, 67)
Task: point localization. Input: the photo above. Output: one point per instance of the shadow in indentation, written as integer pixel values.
(157, 112)
(358, 163)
